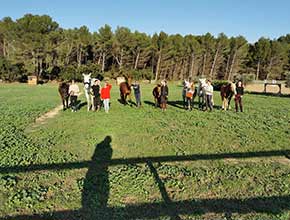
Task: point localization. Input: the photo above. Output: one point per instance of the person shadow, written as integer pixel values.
(96, 187)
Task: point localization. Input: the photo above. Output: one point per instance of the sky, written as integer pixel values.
(250, 18)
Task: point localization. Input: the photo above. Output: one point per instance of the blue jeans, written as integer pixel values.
(209, 102)
(138, 99)
(106, 104)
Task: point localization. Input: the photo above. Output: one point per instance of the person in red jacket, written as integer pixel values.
(105, 96)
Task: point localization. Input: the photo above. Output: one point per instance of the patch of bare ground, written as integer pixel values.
(43, 118)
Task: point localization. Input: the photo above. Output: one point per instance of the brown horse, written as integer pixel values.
(125, 91)
(63, 89)
(156, 94)
(227, 92)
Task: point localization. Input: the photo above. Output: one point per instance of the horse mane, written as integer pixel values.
(228, 89)
(63, 89)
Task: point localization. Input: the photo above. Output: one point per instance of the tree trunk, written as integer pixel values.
(4, 47)
(232, 65)
(158, 66)
(103, 61)
(79, 56)
(269, 68)
(213, 63)
(258, 70)
(203, 66)
(191, 65)
(136, 61)
(183, 69)
(40, 67)
(99, 60)
(67, 59)
(227, 67)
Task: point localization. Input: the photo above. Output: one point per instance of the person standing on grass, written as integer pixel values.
(209, 95)
(73, 91)
(96, 90)
(239, 96)
(163, 95)
(137, 93)
(105, 95)
(189, 96)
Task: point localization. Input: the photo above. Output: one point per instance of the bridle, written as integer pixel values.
(88, 84)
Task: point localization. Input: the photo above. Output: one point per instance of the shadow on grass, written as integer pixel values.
(129, 103)
(179, 104)
(96, 190)
(81, 104)
(150, 103)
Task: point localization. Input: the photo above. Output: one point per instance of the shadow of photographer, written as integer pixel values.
(96, 187)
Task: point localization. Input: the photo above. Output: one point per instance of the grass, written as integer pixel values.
(172, 165)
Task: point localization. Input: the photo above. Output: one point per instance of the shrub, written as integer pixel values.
(12, 72)
(72, 72)
(288, 79)
(142, 74)
(69, 73)
(248, 78)
(245, 78)
(217, 84)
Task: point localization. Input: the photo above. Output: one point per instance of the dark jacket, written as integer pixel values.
(240, 90)
(136, 88)
(164, 90)
(96, 90)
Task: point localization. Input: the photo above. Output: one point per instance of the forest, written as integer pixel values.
(37, 45)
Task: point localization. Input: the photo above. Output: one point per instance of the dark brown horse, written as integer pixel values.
(125, 91)
(227, 92)
(156, 94)
(63, 89)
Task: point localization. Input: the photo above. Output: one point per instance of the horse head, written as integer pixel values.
(202, 82)
(233, 88)
(87, 80)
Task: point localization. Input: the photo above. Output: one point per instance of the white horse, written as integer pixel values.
(88, 82)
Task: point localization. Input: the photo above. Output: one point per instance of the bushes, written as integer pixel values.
(245, 78)
(217, 84)
(72, 72)
(12, 72)
(142, 74)
(288, 79)
(135, 74)
(68, 73)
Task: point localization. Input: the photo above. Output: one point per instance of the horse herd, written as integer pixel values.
(227, 92)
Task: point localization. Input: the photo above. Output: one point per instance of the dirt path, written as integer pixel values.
(44, 118)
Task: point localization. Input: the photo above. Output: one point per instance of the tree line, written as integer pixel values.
(37, 45)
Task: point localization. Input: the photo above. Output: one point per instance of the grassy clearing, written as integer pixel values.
(172, 165)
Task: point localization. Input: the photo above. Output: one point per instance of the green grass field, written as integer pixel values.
(143, 163)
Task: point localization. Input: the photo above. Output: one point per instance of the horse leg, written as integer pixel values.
(130, 98)
(226, 104)
(66, 102)
(223, 104)
(93, 103)
(123, 98)
(199, 101)
(155, 100)
(88, 101)
(229, 102)
(63, 103)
